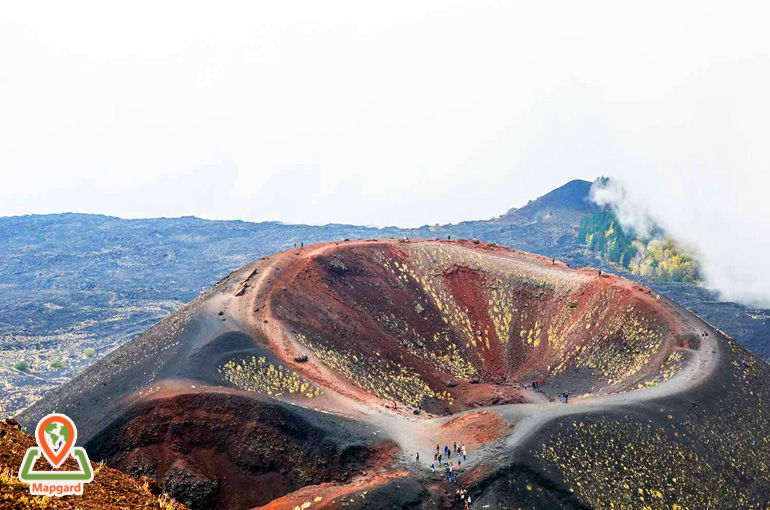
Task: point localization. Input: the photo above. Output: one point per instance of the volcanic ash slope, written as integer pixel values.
(296, 382)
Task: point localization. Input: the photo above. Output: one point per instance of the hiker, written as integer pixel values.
(553, 262)
(448, 238)
(464, 453)
(419, 408)
(454, 447)
(435, 457)
(439, 458)
(418, 456)
(395, 407)
(534, 385)
(458, 465)
(437, 450)
(302, 244)
(467, 502)
(446, 448)
(432, 467)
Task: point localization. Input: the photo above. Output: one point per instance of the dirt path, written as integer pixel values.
(421, 434)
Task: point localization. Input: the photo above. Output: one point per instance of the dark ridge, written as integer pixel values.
(215, 450)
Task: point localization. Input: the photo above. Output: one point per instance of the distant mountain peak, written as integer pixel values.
(563, 204)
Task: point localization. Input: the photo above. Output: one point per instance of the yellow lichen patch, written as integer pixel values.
(260, 376)
(623, 342)
(670, 368)
(715, 454)
(427, 265)
(440, 351)
(382, 378)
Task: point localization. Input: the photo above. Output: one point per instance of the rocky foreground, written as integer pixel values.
(110, 489)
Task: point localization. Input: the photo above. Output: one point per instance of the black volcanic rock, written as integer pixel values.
(567, 203)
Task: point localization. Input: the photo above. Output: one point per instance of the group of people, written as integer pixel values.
(463, 496)
(457, 449)
(443, 458)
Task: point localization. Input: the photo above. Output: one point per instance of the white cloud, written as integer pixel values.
(632, 215)
(398, 113)
(726, 234)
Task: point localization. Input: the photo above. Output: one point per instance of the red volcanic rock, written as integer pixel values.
(417, 323)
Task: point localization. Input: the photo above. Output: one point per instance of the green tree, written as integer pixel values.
(654, 255)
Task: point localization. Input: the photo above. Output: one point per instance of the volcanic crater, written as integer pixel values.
(314, 376)
(452, 326)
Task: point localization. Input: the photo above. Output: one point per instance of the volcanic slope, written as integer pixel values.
(294, 383)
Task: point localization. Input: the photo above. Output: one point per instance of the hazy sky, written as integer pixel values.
(388, 113)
